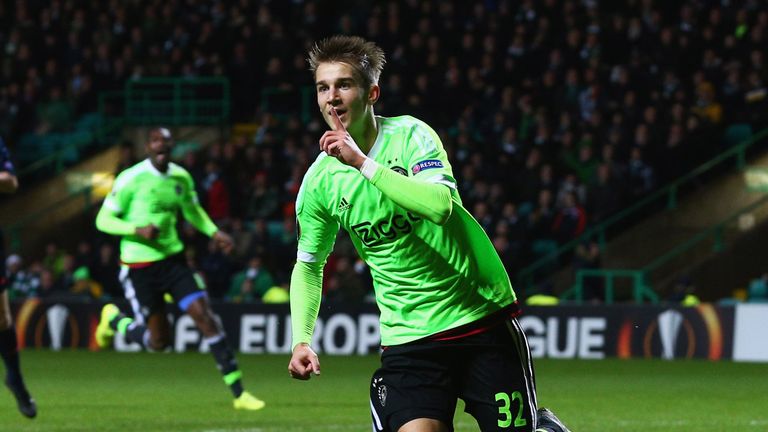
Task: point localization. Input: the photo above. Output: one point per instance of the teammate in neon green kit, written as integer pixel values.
(448, 325)
(142, 208)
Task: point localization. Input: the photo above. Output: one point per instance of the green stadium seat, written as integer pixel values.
(737, 133)
(758, 291)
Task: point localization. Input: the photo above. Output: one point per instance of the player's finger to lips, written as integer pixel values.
(337, 121)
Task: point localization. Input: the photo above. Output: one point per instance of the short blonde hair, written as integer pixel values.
(365, 57)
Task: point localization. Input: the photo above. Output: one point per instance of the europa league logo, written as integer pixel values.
(670, 323)
(673, 333)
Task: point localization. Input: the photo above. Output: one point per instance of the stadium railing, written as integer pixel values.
(169, 101)
(642, 288)
(282, 102)
(668, 195)
(49, 154)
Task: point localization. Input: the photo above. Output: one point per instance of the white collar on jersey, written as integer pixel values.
(376, 148)
(156, 171)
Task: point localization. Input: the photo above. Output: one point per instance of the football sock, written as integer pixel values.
(10, 353)
(225, 361)
(132, 331)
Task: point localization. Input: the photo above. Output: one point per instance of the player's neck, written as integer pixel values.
(366, 137)
(161, 168)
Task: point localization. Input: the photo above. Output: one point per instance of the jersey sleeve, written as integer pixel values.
(426, 158)
(317, 229)
(193, 211)
(119, 197)
(114, 204)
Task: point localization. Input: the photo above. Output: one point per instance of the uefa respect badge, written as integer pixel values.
(426, 164)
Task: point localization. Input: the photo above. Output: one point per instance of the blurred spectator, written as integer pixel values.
(66, 279)
(243, 239)
(541, 218)
(83, 286)
(53, 259)
(55, 114)
(22, 283)
(570, 220)
(216, 198)
(641, 175)
(603, 195)
(587, 257)
(263, 200)
(48, 284)
(345, 286)
(217, 269)
(250, 284)
(283, 246)
(684, 292)
(84, 256)
(105, 270)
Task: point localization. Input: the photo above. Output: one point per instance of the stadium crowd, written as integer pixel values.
(555, 113)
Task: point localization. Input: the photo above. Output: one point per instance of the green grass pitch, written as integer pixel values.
(107, 391)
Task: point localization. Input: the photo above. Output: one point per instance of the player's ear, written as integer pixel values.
(373, 93)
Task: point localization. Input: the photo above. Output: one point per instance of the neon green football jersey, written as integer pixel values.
(142, 195)
(428, 278)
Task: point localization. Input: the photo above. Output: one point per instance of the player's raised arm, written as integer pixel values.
(429, 200)
(340, 144)
(432, 201)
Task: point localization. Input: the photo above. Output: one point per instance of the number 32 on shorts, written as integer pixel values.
(505, 409)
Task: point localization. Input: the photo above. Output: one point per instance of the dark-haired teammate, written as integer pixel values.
(142, 208)
(9, 349)
(448, 325)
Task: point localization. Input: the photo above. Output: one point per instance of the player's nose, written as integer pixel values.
(334, 94)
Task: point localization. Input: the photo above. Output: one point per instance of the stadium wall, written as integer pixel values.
(573, 332)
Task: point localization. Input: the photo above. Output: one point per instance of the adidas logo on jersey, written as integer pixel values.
(344, 205)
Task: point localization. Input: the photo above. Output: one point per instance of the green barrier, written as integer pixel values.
(169, 101)
(528, 276)
(642, 289)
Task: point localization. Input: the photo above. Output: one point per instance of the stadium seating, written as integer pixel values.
(648, 91)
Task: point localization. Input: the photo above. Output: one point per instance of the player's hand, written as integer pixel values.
(304, 363)
(340, 144)
(148, 232)
(223, 241)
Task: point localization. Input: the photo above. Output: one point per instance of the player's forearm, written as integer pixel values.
(8, 182)
(429, 200)
(199, 219)
(306, 292)
(108, 222)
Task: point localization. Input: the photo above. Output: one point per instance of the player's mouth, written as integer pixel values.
(340, 112)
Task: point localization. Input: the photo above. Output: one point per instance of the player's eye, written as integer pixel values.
(321, 89)
(345, 86)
